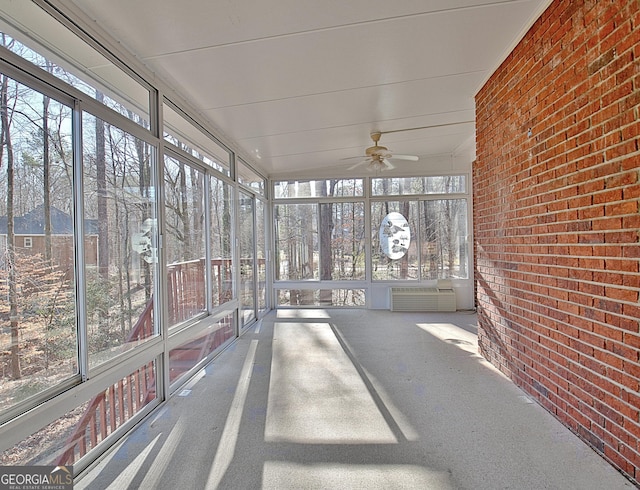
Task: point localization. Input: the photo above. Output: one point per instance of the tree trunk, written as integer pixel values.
(11, 255)
(197, 186)
(46, 171)
(183, 206)
(325, 228)
(45, 178)
(144, 183)
(101, 182)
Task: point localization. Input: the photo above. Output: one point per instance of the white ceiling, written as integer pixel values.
(300, 84)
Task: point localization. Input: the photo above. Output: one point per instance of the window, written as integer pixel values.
(250, 178)
(386, 266)
(296, 241)
(342, 243)
(83, 67)
(322, 240)
(443, 239)
(38, 306)
(403, 186)
(119, 238)
(185, 240)
(189, 354)
(185, 136)
(321, 297)
(81, 232)
(220, 205)
(261, 255)
(284, 189)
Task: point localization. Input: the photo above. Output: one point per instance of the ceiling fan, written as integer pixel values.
(378, 157)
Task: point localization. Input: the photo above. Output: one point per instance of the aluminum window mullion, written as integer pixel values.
(78, 216)
(160, 303)
(268, 252)
(254, 230)
(235, 255)
(181, 156)
(368, 257)
(108, 115)
(207, 243)
(39, 80)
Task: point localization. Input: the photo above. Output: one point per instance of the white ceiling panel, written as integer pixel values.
(174, 27)
(298, 84)
(326, 61)
(439, 99)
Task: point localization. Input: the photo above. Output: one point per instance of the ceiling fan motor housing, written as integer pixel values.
(378, 151)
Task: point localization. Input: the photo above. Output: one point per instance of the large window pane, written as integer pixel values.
(438, 184)
(444, 239)
(342, 242)
(321, 297)
(247, 258)
(296, 240)
(261, 251)
(221, 199)
(82, 429)
(189, 354)
(318, 188)
(248, 177)
(38, 346)
(185, 240)
(187, 137)
(119, 238)
(383, 266)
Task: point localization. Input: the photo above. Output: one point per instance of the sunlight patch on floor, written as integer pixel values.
(315, 392)
(229, 438)
(452, 334)
(278, 475)
(153, 478)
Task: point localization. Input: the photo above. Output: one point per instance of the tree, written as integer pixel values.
(325, 228)
(6, 143)
(46, 165)
(101, 182)
(144, 185)
(45, 303)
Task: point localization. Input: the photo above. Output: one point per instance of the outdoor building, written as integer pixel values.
(30, 238)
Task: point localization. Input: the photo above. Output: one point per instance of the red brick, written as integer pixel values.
(564, 209)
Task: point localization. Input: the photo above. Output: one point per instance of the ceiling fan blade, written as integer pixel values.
(362, 162)
(412, 158)
(388, 164)
(353, 158)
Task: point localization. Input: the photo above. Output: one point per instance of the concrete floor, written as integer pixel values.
(353, 399)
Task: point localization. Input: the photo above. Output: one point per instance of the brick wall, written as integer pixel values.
(557, 223)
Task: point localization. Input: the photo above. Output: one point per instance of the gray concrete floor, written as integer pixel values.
(353, 399)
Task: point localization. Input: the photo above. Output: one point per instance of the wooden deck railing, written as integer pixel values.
(112, 408)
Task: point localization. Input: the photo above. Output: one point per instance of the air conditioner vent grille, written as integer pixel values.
(422, 299)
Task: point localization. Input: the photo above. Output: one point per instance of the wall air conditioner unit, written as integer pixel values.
(440, 298)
